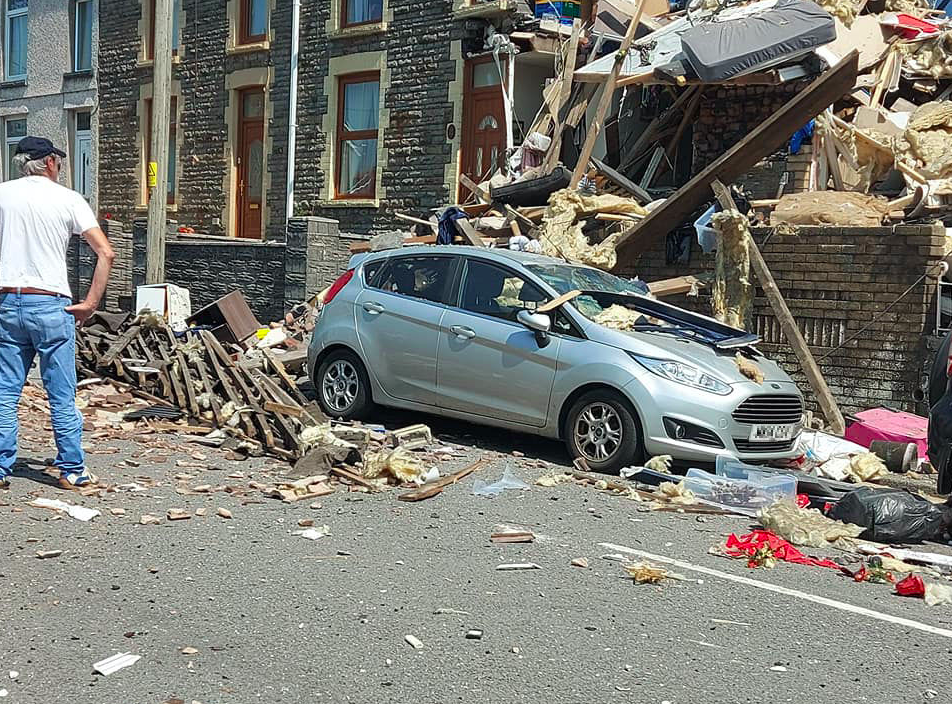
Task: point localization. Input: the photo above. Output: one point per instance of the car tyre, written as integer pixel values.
(342, 386)
(602, 429)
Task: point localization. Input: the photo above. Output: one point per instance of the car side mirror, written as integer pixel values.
(539, 323)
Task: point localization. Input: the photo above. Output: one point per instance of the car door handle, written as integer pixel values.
(463, 333)
(373, 307)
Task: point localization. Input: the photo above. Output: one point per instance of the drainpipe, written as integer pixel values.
(292, 106)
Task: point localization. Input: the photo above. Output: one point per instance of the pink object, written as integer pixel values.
(909, 27)
(891, 426)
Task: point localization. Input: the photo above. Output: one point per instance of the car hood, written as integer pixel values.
(720, 363)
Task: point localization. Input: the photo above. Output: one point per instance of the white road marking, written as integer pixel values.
(842, 606)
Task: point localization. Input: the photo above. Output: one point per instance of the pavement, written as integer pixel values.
(240, 610)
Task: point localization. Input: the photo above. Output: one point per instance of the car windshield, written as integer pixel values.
(566, 277)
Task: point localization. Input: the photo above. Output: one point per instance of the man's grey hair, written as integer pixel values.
(34, 167)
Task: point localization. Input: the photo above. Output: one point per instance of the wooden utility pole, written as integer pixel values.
(158, 167)
(608, 90)
(791, 331)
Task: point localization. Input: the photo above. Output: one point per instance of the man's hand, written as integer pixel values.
(81, 311)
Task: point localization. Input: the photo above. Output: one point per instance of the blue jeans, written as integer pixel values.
(32, 325)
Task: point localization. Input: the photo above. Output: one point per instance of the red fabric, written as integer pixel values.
(748, 545)
(909, 26)
(803, 501)
(911, 586)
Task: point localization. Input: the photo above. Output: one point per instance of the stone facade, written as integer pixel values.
(53, 95)
(207, 72)
(838, 283)
(81, 261)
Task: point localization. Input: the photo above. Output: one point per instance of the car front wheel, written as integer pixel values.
(342, 386)
(601, 429)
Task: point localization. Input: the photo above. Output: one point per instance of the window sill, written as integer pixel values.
(145, 208)
(480, 8)
(14, 83)
(84, 73)
(148, 63)
(350, 203)
(361, 30)
(248, 48)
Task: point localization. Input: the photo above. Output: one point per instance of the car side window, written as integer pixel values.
(492, 290)
(372, 271)
(419, 277)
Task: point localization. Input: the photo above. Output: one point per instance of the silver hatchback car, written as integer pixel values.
(466, 332)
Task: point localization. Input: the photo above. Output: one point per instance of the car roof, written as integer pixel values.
(465, 250)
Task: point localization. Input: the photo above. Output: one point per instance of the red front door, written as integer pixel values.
(484, 121)
(250, 163)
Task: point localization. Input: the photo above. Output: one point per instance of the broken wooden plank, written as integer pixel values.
(791, 331)
(556, 302)
(605, 102)
(479, 192)
(623, 182)
(119, 346)
(353, 477)
(223, 379)
(565, 92)
(433, 488)
(210, 392)
(282, 373)
(771, 133)
(283, 409)
(466, 229)
(673, 287)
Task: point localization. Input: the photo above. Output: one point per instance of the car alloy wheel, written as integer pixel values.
(598, 432)
(340, 385)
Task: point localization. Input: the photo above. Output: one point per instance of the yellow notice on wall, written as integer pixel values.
(153, 174)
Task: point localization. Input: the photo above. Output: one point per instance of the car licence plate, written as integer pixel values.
(774, 433)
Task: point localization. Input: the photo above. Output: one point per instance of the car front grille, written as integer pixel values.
(748, 446)
(770, 409)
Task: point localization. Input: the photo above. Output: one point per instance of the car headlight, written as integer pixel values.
(683, 374)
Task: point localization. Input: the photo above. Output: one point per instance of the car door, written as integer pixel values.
(398, 318)
(489, 364)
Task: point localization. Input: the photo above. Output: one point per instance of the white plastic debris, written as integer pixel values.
(507, 481)
(510, 566)
(313, 533)
(14, 674)
(414, 642)
(80, 513)
(115, 663)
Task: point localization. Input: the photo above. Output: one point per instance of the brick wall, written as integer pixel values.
(836, 281)
(418, 45)
(272, 276)
(201, 71)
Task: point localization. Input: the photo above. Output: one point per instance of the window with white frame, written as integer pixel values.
(82, 35)
(15, 131)
(16, 19)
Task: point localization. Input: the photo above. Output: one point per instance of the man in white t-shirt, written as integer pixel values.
(37, 218)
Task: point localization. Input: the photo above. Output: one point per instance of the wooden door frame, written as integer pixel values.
(469, 92)
(242, 123)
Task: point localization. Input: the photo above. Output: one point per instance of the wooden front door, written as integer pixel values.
(250, 163)
(484, 119)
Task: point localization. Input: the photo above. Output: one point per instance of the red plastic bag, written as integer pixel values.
(765, 542)
(911, 586)
(803, 501)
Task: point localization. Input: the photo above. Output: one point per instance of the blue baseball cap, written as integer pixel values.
(37, 147)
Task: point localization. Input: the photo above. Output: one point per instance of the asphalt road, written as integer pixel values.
(278, 618)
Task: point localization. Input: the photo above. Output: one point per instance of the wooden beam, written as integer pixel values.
(791, 331)
(565, 91)
(608, 89)
(434, 488)
(474, 187)
(467, 230)
(771, 133)
(673, 287)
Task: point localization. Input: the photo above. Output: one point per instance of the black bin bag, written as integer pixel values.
(893, 515)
